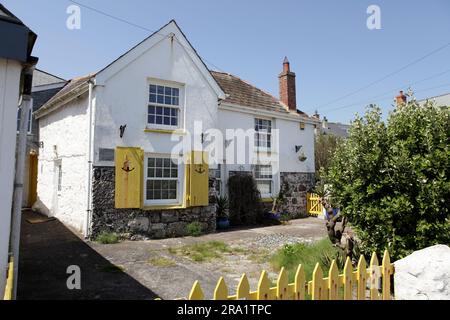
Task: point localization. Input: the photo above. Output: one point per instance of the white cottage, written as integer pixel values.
(133, 148)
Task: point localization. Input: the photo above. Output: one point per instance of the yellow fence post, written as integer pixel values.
(374, 277)
(361, 278)
(348, 279)
(333, 281)
(386, 272)
(282, 285)
(9, 281)
(317, 283)
(243, 288)
(196, 292)
(299, 284)
(221, 291)
(263, 287)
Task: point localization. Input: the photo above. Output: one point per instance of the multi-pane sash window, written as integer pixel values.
(163, 107)
(263, 177)
(162, 179)
(263, 133)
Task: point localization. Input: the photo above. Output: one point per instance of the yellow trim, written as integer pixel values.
(165, 131)
(164, 207)
(267, 200)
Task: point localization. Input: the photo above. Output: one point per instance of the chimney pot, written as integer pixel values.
(400, 99)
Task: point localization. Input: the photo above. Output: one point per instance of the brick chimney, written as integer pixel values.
(401, 99)
(287, 86)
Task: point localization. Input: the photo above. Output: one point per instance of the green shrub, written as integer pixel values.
(107, 238)
(391, 180)
(244, 200)
(194, 229)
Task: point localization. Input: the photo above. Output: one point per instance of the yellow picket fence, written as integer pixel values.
(372, 283)
(313, 204)
(9, 281)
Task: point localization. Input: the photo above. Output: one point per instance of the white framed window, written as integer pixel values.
(264, 180)
(263, 134)
(163, 106)
(163, 176)
(30, 118)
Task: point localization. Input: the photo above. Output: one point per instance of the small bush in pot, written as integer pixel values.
(222, 212)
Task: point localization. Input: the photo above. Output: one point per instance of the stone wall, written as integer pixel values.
(295, 185)
(137, 224)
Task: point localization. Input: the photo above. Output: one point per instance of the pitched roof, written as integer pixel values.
(243, 93)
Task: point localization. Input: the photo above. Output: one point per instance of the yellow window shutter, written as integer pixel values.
(129, 177)
(198, 179)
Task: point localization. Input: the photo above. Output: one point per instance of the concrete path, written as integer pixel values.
(48, 248)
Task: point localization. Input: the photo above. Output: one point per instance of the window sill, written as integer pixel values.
(266, 199)
(166, 131)
(163, 207)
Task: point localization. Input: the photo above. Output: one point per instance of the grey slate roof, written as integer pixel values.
(41, 97)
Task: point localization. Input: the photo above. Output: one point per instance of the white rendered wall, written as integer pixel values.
(9, 95)
(67, 129)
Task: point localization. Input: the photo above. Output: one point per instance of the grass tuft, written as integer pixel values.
(201, 252)
(291, 255)
(107, 238)
(161, 262)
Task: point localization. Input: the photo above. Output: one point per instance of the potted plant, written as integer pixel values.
(222, 211)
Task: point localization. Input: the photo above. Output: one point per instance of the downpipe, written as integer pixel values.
(88, 217)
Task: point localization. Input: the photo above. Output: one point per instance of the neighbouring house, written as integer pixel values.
(16, 67)
(337, 129)
(442, 100)
(44, 87)
(128, 149)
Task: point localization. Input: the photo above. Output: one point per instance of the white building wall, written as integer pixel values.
(9, 96)
(65, 137)
(122, 99)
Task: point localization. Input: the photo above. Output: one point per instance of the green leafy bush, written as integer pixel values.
(392, 179)
(245, 205)
(194, 229)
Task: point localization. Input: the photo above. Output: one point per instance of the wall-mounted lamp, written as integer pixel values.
(122, 130)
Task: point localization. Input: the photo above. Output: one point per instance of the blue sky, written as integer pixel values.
(327, 42)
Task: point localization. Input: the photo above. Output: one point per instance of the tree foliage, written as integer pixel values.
(325, 146)
(391, 179)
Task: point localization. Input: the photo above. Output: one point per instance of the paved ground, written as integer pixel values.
(48, 248)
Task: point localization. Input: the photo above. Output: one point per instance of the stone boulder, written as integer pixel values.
(424, 275)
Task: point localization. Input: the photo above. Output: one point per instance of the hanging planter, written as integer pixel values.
(302, 157)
